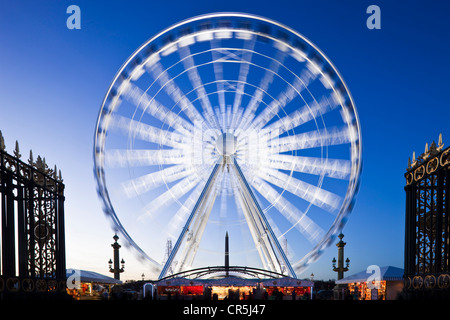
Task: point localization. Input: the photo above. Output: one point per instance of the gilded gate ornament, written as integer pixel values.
(427, 228)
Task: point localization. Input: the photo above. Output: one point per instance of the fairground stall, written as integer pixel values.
(235, 288)
(368, 285)
(88, 285)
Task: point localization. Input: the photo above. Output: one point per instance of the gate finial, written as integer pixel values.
(17, 151)
(2, 141)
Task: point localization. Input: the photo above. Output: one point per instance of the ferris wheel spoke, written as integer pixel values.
(272, 110)
(299, 220)
(218, 73)
(169, 197)
(283, 99)
(263, 86)
(292, 90)
(229, 118)
(147, 132)
(224, 197)
(221, 56)
(139, 98)
(196, 82)
(176, 94)
(221, 113)
(315, 195)
(303, 115)
(121, 158)
(140, 185)
(228, 86)
(279, 103)
(313, 139)
(243, 74)
(333, 168)
(178, 220)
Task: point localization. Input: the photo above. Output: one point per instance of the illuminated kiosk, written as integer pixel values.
(260, 285)
(91, 285)
(232, 282)
(228, 121)
(361, 286)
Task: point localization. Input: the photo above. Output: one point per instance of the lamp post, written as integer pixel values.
(116, 246)
(340, 269)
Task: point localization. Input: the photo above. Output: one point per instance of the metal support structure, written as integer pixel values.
(201, 272)
(8, 238)
(268, 246)
(198, 204)
(266, 234)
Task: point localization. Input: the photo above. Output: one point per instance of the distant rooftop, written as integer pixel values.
(91, 276)
(388, 273)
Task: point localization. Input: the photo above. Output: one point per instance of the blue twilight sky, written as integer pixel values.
(53, 80)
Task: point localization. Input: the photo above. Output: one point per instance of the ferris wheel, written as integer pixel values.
(228, 122)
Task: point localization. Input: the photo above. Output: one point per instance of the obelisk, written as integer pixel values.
(227, 255)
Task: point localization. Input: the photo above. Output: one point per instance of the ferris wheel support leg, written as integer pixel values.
(206, 190)
(270, 235)
(264, 254)
(241, 203)
(192, 248)
(258, 229)
(198, 228)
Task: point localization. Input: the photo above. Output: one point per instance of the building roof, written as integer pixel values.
(287, 282)
(388, 273)
(91, 276)
(180, 282)
(236, 281)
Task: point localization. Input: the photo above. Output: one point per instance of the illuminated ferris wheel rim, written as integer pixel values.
(356, 142)
(231, 14)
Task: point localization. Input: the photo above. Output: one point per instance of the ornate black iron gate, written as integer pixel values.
(32, 255)
(427, 233)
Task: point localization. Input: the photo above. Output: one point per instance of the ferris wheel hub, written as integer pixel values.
(226, 144)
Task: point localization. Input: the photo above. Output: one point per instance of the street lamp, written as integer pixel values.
(116, 246)
(340, 269)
